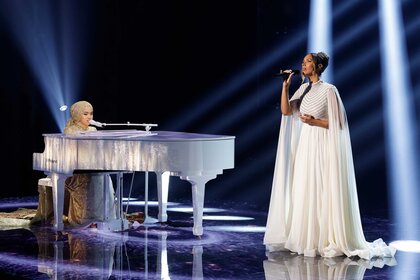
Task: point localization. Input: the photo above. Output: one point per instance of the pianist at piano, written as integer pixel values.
(84, 192)
(193, 157)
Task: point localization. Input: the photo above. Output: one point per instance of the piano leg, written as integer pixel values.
(162, 268)
(106, 197)
(117, 222)
(162, 179)
(58, 260)
(58, 181)
(197, 272)
(119, 195)
(198, 183)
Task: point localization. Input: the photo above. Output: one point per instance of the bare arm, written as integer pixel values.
(286, 109)
(312, 121)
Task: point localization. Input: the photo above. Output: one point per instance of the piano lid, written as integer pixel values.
(178, 152)
(132, 134)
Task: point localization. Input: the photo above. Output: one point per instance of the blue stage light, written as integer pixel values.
(236, 228)
(249, 133)
(232, 87)
(54, 46)
(320, 18)
(400, 123)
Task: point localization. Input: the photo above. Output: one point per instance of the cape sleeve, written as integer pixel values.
(341, 192)
(275, 234)
(341, 175)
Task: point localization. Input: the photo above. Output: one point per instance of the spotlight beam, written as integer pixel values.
(320, 18)
(400, 121)
(52, 50)
(234, 84)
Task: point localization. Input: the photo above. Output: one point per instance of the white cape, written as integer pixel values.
(340, 227)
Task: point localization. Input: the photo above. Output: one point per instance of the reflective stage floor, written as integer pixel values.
(230, 248)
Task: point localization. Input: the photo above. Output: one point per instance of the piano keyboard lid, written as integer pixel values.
(141, 135)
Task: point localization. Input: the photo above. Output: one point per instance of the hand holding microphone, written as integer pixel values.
(286, 73)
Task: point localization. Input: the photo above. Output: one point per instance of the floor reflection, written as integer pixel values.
(92, 254)
(74, 255)
(228, 249)
(284, 265)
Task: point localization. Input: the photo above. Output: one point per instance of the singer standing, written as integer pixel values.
(314, 206)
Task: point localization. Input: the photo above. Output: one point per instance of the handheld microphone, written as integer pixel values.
(286, 73)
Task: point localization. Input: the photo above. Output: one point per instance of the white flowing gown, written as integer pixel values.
(314, 208)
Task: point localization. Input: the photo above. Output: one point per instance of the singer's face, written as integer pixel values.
(86, 116)
(308, 65)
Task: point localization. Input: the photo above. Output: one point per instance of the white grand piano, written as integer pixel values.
(194, 157)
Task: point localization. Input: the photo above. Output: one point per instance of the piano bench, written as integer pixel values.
(45, 204)
(45, 182)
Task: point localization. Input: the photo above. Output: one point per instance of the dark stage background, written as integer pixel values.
(157, 61)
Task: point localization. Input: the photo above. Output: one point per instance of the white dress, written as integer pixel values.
(314, 207)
